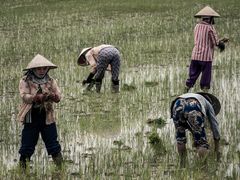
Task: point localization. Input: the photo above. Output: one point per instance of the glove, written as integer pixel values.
(54, 97)
(84, 82)
(89, 79)
(39, 98)
(221, 46)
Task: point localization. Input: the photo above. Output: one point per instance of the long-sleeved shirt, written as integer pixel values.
(205, 39)
(29, 89)
(207, 111)
(92, 56)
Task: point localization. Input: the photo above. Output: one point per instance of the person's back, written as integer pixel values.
(101, 58)
(205, 38)
(189, 112)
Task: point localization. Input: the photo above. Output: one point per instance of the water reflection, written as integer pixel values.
(90, 124)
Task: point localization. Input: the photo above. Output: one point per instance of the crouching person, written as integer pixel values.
(38, 92)
(189, 112)
(101, 58)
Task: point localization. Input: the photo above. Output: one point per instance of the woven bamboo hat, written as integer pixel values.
(81, 58)
(39, 61)
(213, 101)
(207, 12)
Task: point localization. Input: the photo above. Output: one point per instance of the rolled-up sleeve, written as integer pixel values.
(24, 91)
(213, 121)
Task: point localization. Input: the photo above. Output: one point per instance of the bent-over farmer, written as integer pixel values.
(39, 92)
(101, 58)
(205, 39)
(189, 112)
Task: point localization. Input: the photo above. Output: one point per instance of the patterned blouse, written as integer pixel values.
(207, 111)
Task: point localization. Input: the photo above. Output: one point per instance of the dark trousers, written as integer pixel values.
(31, 131)
(195, 69)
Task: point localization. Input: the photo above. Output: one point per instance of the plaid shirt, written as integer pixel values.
(29, 89)
(205, 38)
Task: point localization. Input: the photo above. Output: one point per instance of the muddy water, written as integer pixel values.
(89, 124)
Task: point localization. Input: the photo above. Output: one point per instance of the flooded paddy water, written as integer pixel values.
(107, 136)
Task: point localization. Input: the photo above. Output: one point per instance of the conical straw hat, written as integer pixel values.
(40, 61)
(81, 60)
(213, 101)
(207, 11)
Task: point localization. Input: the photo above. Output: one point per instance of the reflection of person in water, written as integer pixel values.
(100, 58)
(205, 39)
(39, 91)
(189, 111)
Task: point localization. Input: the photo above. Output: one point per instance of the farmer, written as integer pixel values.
(38, 92)
(189, 111)
(205, 39)
(101, 58)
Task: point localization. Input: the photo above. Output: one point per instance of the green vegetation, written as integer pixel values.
(127, 87)
(159, 122)
(106, 136)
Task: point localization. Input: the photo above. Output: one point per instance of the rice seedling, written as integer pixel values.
(105, 136)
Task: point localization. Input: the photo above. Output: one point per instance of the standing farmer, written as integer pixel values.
(205, 39)
(100, 58)
(189, 111)
(38, 92)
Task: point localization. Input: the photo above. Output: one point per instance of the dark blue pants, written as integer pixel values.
(31, 131)
(195, 69)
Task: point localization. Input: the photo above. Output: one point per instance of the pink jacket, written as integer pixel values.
(29, 89)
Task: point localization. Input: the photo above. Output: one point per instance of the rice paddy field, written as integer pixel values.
(107, 136)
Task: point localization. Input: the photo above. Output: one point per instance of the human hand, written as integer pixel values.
(221, 46)
(89, 79)
(218, 156)
(40, 98)
(84, 82)
(217, 149)
(224, 40)
(53, 97)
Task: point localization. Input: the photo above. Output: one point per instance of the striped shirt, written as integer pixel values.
(205, 38)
